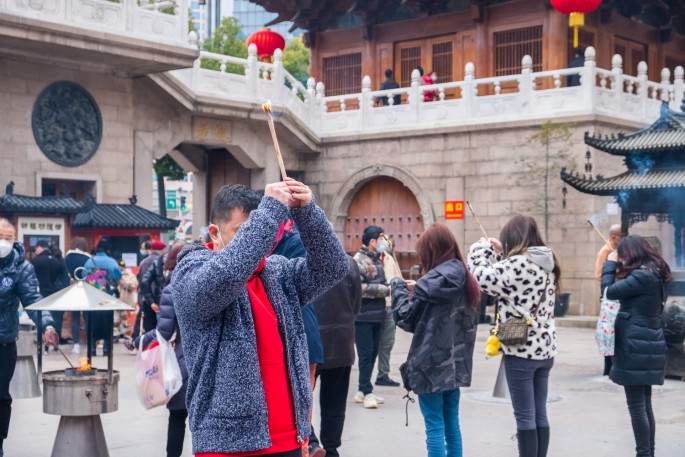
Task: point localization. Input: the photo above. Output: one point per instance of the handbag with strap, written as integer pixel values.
(515, 330)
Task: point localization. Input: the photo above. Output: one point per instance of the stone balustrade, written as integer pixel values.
(164, 22)
(521, 97)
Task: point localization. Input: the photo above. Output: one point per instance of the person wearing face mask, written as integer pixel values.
(369, 321)
(238, 310)
(18, 283)
(391, 270)
(429, 79)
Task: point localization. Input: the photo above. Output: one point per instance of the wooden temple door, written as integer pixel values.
(387, 203)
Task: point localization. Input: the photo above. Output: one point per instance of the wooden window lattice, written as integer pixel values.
(442, 61)
(512, 45)
(410, 58)
(343, 74)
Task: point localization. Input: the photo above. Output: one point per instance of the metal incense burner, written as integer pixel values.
(80, 394)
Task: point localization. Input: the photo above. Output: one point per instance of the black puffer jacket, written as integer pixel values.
(640, 353)
(444, 326)
(18, 283)
(167, 325)
(336, 310)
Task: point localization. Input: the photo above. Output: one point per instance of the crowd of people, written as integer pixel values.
(270, 305)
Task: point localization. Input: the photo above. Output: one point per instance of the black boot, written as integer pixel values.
(528, 443)
(543, 441)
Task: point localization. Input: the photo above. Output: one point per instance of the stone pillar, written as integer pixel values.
(142, 166)
(200, 206)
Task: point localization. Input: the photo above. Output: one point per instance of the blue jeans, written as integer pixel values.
(441, 415)
(527, 380)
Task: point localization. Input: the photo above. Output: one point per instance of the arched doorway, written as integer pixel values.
(389, 204)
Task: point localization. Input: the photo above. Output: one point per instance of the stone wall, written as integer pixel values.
(491, 169)
(22, 161)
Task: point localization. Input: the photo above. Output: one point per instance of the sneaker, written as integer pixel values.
(370, 401)
(386, 381)
(76, 349)
(379, 400)
(359, 397)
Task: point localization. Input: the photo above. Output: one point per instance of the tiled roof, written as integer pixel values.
(12, 203)
(655, 179)
(115, 216)
(666, 134)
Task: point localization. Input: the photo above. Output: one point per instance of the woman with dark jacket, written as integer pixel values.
(167, 326)
(637, 276)
(442, 313)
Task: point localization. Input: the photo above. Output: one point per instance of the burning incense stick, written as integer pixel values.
(270, 119)
(65, 357)
(480, 226)
(600, 234)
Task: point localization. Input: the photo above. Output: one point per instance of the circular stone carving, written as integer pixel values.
(67, 124)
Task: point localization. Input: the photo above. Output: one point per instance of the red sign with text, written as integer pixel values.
(454, 209)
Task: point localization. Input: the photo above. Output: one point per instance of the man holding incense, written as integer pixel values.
(607, 248)
(238, 309)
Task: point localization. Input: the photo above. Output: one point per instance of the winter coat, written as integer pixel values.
(225, 397)
(75, 259)
(524, 285)
(374, 286)
(444, 326)
(640, 351)
(49, 272)
(167, 325)
(18, 283)
(151, 280)
(336, 310)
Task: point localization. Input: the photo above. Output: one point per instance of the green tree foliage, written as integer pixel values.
(296, 59)
(166, 167)
(226, 40)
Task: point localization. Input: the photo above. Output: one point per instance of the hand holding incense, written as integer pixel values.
(480, 226)
(270, 119)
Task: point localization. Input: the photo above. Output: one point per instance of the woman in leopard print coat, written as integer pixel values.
(523, 274)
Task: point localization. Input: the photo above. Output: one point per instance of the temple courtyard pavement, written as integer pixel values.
(588, 414)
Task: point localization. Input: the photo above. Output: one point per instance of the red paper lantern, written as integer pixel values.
(576, 10)
(267, 42)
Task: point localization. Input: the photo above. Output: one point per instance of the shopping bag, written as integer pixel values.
(604, 334)
(158, 376)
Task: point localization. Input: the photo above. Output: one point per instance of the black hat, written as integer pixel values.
(104, 245)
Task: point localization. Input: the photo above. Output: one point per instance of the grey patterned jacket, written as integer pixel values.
(225, 396)
(374, 286)
(444, 326)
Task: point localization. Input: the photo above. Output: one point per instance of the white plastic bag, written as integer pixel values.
(604, 334)
(158, 376)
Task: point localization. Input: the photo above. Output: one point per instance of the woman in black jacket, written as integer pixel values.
(442, 313)
(637, 276)
(167, 326)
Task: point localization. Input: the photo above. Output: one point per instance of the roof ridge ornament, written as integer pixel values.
(9, 189)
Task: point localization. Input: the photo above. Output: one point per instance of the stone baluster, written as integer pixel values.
(642, 88)
(441, 93)
(557, 81)
(183, 8)
(252, 71)
(665, 83)
(414, 101)
(365, 101)
(526, 84)
(678, 88)
(469, 91)
(587, 79)
(222, 67)
(320, 94)
(498, 87)
(278, 78)
(312, 100)
(617, 81)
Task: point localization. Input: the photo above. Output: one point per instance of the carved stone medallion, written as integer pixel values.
(67, 124)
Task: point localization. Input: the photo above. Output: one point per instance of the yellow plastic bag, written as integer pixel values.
(492, 346)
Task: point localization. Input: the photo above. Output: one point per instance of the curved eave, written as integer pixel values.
(628, 181)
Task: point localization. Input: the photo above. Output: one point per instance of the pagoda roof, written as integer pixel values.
(664, 135)
(122, 216)
(13, 203)
(630, 180)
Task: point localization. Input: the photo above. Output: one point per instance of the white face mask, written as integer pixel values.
(5, 248)
(434, 78)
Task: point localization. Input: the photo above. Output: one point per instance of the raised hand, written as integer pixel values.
(301, 194)
(279, 191)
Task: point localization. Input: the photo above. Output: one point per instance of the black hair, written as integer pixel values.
(580, 52)
(231, 197)
(147, 245)
(104, 246)
(371, 232)
(388, 73)
(42, 244)
(420, 68)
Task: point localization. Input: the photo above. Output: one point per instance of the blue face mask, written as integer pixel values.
(383, 247)
(143, 253)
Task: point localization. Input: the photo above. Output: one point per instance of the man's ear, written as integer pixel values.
(213, 230)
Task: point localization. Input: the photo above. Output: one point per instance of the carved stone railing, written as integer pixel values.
(520, 97)
(165, 22)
